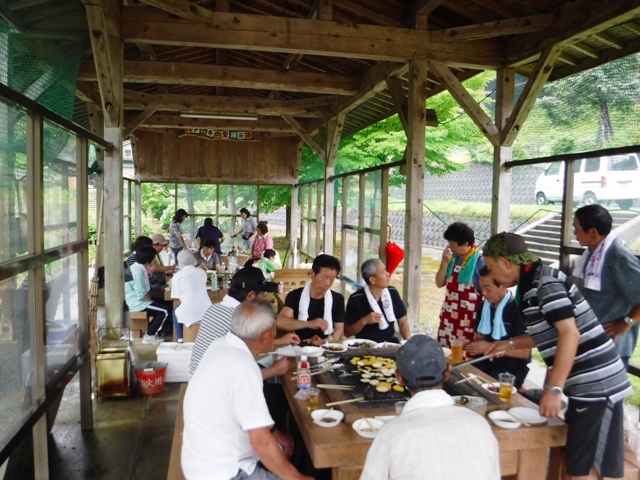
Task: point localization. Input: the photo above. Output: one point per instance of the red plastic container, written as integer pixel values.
(151, 381)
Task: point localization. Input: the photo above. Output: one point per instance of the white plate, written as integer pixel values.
(352, 342)
(312, 352)
(209, 272)
(334, 347)
(330, 419)
(529, 415)
(388, 345)
(363, 426)
(473, 401)
(503, 419)
(497, 384)
(289, 351)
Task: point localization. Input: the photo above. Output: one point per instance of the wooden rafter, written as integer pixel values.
(529, 95)
(221, 54)
(104, 62)
(213, 75)
(293, 35)
(466, 101)
(575, 22)
(369, 14)
(313, 108)
(334, 132)
(304, 135)
(424, 7)
(136, 122)
(498, 28)
(399, 97)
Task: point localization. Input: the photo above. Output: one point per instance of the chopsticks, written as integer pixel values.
(359, 399)
(479, 359)
(335, 387)
(515, 417)
(312, 374)
(470, 376)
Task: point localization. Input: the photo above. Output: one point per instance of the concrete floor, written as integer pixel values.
(131, 438)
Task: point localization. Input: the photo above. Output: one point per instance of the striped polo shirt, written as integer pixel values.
(547, 296)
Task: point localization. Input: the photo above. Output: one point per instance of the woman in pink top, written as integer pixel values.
(262, 242)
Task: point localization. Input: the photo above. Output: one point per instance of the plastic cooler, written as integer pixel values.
(177, 356)
(151, 377)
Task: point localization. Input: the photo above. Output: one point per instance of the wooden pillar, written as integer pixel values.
(501, 194)
(567, 216)
(415, 190)
(113, 245)
(137, 205)
(294, 222)
(334, 131)
(82, 209)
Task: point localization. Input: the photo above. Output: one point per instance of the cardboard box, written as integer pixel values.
(178, 357)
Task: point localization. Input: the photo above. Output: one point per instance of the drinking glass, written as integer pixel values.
(456, 350)
(313, 395)
(400, 406)
(506, 386)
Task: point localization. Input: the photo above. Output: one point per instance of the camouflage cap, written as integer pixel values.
(511, 246)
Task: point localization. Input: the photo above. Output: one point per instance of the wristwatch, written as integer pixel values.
(628, 320)
(554, 390)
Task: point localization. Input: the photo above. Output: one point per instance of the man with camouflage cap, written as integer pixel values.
(582, 359)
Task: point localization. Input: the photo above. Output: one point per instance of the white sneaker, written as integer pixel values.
(180, 340)
(151, 340)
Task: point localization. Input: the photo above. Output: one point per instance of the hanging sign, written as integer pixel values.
(212, 134)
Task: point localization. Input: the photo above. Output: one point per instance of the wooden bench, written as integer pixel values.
(175, 460)
(139, 322)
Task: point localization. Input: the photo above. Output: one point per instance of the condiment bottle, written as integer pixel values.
(281, 287)
(304, 373)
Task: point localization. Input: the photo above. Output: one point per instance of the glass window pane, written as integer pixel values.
(60, 186)
(61, 311)
(373, 191)
(350, 267)
(15, 358)
(13, 184)
(353, 200)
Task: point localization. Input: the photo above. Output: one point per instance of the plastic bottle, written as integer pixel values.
(281, 287)
(214, 282)
(304, 373)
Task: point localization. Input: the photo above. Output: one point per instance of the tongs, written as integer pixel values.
(475, 360)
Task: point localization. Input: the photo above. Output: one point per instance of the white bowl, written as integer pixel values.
(312, 352)
(330, 418)
(477, 404)
(352, 342)
(367, 428)
(503, 419)
(514, 390)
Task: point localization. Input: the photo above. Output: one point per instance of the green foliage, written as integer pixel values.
(156, 199)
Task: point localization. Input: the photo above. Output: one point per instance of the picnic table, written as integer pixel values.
(524, 452)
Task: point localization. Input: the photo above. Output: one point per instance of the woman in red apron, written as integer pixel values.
(459, 271)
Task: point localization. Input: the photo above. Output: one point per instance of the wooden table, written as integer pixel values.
(523, 452)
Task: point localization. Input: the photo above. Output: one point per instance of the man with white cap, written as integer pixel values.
(582, 359)
(432, 438)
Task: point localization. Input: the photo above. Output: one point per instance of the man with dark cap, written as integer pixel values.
(582, 359)
(432, 438)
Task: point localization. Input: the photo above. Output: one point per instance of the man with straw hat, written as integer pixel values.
(582, 359)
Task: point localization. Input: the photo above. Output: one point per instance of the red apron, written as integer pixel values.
(458, 314)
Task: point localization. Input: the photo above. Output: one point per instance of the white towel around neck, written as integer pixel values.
(589, 265)
(387, 304)
(303, 307)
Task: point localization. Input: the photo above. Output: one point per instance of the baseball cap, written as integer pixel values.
(251, 278)
(159, 239)
(421, 361)
(511, 246)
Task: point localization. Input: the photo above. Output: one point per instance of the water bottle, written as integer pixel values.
(304, 373)
(281, 287)
(214, 282)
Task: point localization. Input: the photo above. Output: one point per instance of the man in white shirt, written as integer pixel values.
(432, 438)
(227, 426)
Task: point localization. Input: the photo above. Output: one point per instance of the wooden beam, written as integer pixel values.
(226, 76)
(88, 92)
(500, 28)
(334, 131)
(610, 40)
(305, 136)
(424, 7)
(325, 10)
(112, 10)
(468, 104)
(103, 64)
(399, 97)
(173, 102)
(136, 122)
(295, 35)
(368, 14)
(175, 121)
(529, 95)
(221, 54)
(575, 22)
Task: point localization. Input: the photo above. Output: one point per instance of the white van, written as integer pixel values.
(596, 180)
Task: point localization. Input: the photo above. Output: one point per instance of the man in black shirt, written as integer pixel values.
(373, 310)
(509, 323)
(315, 312)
